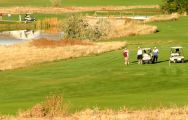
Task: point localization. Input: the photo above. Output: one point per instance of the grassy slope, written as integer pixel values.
(103, 80)
(4, 3)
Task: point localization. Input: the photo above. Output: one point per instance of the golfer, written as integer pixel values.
(139, 55)
(155, 54)
(126, 56)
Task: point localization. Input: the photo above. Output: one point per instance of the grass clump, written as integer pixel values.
(54, 105)
(55, 3)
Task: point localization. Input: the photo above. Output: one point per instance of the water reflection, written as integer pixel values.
(13, 37)
(25, 34)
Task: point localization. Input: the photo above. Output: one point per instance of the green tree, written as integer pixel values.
(171, 6)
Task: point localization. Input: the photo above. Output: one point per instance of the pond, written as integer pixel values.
(18, 36)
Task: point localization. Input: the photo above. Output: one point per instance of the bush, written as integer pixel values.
(56, 3)
(171, 6)
(101, 29)
(53, 106)
(77, 27)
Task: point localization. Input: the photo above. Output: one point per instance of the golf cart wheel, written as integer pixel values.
(182, 61)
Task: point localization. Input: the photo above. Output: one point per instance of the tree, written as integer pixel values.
(77, 27)
(171, 6)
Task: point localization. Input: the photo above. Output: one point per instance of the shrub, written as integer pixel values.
(101, 29)
(171, 6)
(77, 27)
(56, 3)
(53, 106)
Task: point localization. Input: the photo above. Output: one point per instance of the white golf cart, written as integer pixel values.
(176, 55)
(147, 56)
(29, 18)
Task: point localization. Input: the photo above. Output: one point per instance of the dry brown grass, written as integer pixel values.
(157, 114)
(19, 10)
(48, 23)
(25, 54)
(123, 114)
(53, 30)
(53, 106)
(124, 27)
(42, 43)
(171, 17)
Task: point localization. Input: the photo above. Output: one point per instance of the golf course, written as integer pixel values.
(103, 80)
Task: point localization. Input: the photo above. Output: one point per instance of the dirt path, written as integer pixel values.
(52, 10)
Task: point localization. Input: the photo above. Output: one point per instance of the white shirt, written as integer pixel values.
(139, 52)
(155, 52)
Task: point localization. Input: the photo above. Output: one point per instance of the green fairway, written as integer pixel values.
(4, 3)
(103, 80)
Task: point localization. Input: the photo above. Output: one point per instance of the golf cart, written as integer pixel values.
(176, 55)
(28, 18)
(147, 55)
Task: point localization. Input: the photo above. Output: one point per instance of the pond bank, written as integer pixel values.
(28, 53)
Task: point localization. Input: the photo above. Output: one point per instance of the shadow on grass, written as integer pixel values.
(161, 61)
(186, 61)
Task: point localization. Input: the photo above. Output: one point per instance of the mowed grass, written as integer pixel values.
(44, 3)
(103, 80)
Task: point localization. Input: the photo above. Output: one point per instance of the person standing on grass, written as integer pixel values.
(126, 56)
(139, 55)
(1, 16)
(155, 54)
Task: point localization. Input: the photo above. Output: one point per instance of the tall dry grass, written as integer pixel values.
(29, 53)
(158, 18)
(53, 106)
(23, 10)
(123, 114)
(124, 27)
(48, 23)
(42, 43)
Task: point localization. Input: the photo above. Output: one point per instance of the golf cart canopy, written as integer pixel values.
(176, 47)
(29, 13)
(146, 48)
